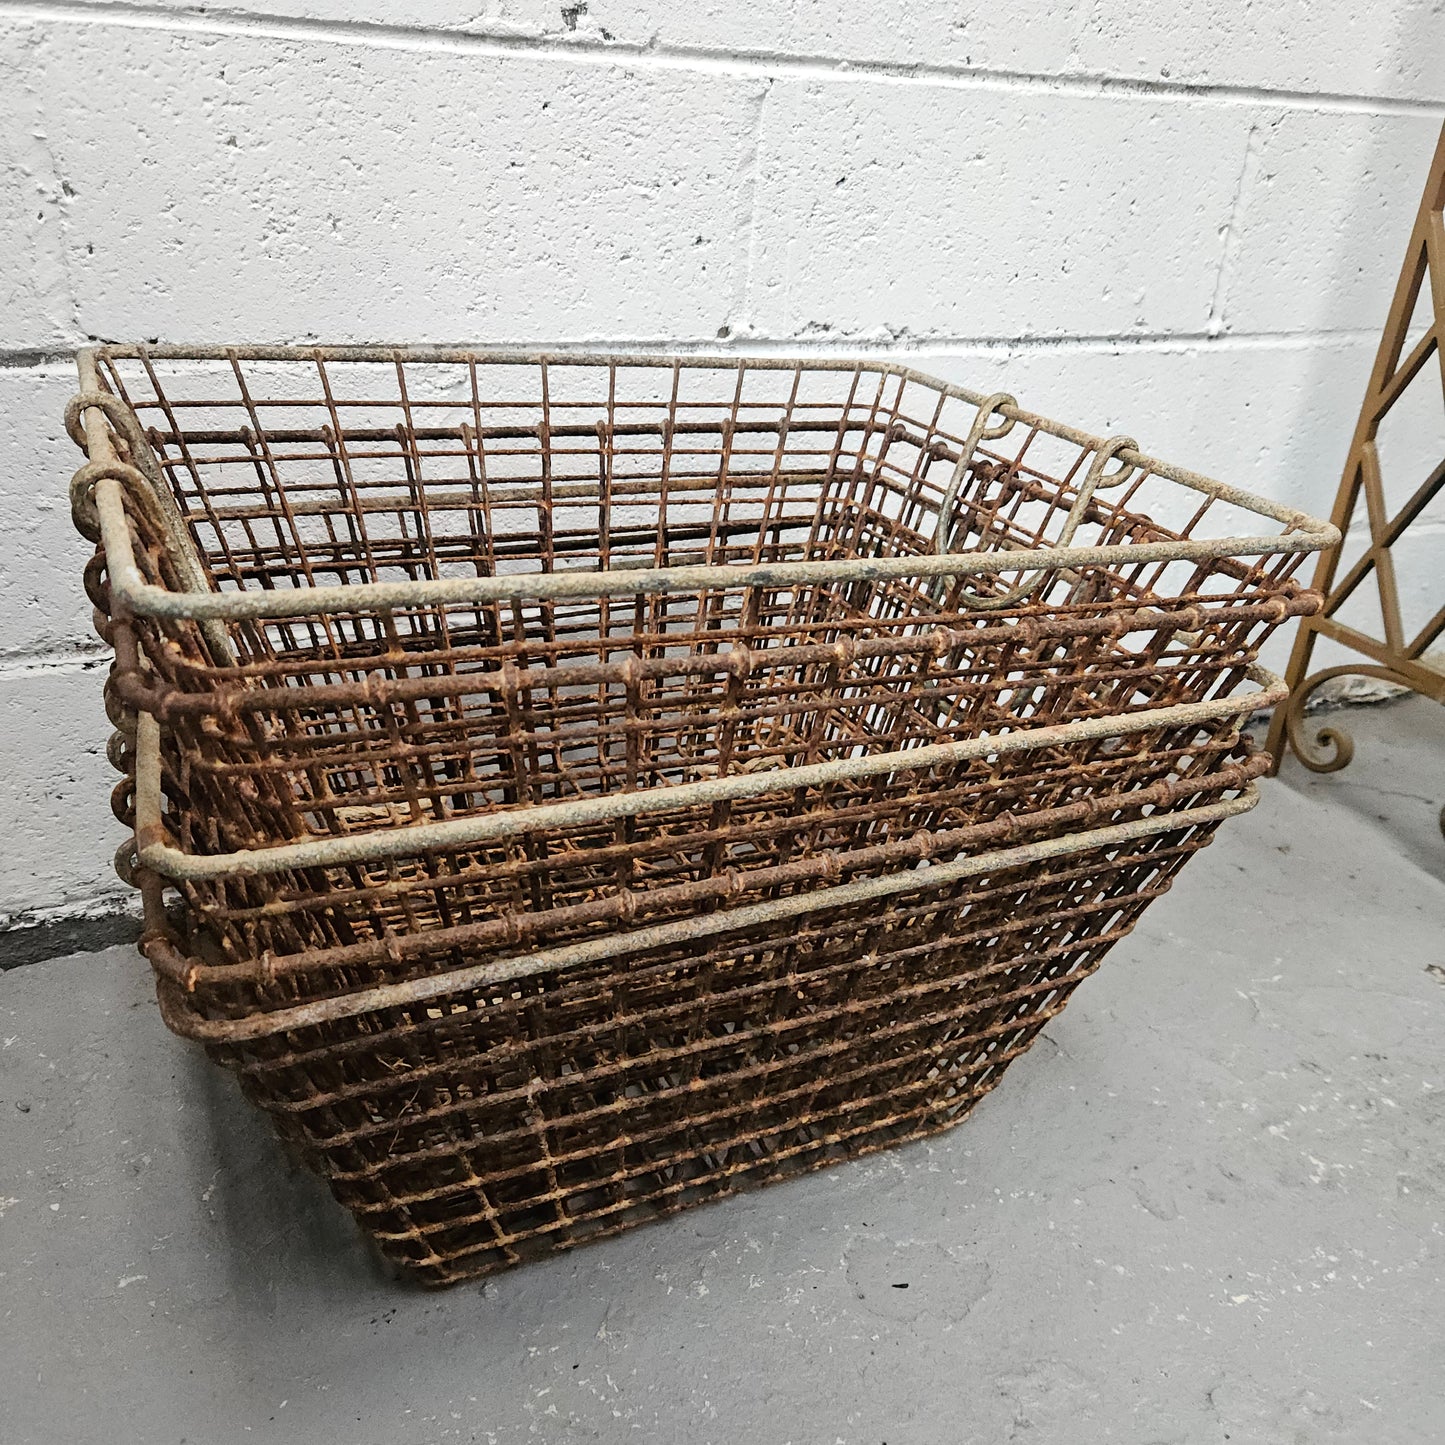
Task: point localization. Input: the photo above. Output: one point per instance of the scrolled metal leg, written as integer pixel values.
(1331, 748)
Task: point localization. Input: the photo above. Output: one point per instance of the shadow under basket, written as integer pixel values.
(568, 789)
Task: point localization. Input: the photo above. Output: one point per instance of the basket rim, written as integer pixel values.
(156, 852)
(184, 1018)
(1301, 532)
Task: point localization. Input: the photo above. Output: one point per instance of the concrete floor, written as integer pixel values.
(1208, 1207)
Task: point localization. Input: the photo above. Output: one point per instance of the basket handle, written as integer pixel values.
(1096, 477)
(86, 415)
(980, 431)
(156, 852)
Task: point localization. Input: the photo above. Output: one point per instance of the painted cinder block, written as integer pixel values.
(896, 211)
(261, 189)
(35, 304)
(1394, 51)
(1324, 215)
(1034, 36)
(43, 609)
(60, 835)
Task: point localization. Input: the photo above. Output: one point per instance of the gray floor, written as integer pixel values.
(1208, 1207)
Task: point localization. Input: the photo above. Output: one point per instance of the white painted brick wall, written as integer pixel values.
(942, 210)
(1183, 221)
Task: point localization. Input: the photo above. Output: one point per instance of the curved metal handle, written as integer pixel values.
(1095, 478)
(980, 431)
(86, 415)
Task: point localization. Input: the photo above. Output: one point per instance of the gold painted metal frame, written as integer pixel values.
(1394, 657)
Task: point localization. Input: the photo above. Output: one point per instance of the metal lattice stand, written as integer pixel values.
(1393, 657)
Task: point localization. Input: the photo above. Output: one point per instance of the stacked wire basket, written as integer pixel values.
(567, 789)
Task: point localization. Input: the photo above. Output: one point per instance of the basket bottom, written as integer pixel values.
(693, 1183)
(485, 1130)
(486, 1239)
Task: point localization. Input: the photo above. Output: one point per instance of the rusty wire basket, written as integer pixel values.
(566, 789)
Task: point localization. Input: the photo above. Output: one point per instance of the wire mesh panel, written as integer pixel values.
(431, 662)
(491, 1125)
